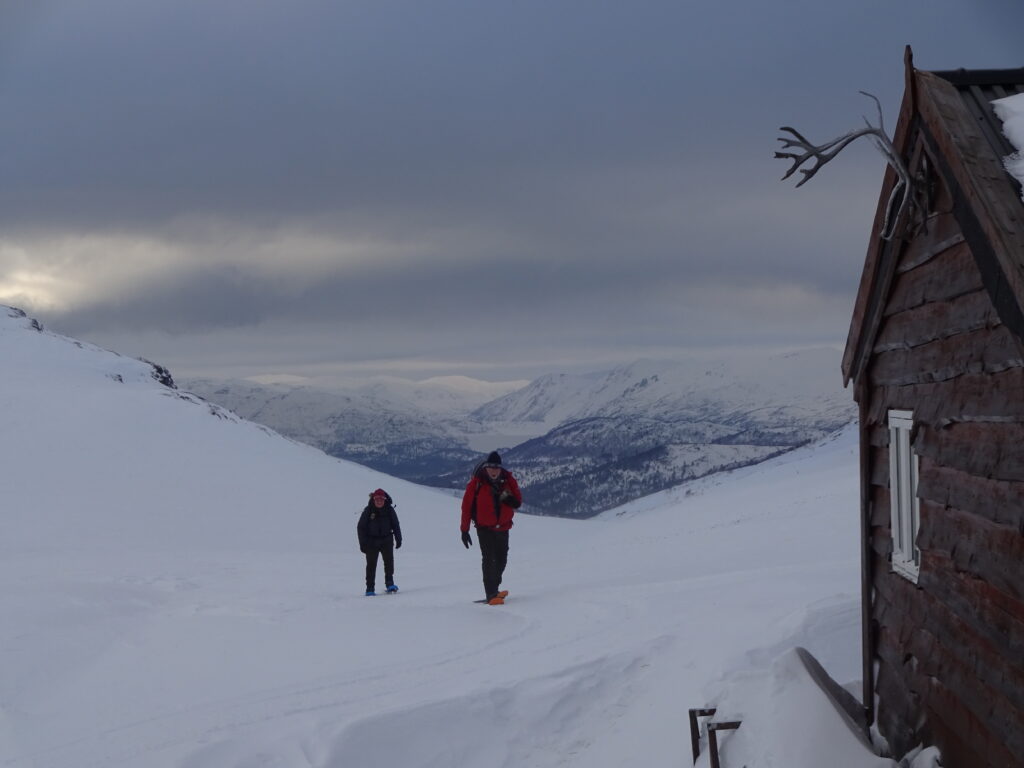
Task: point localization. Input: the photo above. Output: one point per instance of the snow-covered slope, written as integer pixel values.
(182, 588)
(112, 457)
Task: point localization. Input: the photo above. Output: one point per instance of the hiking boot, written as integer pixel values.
(370, 593)
(496, 600)
(392, 588)
(502, 594)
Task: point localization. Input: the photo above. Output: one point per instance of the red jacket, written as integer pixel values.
(487, 496)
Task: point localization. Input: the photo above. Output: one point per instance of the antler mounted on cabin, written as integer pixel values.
(904, 195)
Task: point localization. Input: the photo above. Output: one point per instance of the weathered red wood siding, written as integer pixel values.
(950, 650)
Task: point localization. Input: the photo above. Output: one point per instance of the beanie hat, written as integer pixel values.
(493, 460)
(380, 492)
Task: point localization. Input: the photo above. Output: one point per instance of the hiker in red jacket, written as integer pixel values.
(491, 499)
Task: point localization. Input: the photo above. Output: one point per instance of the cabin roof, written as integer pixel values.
(978, 88)
(952, 111)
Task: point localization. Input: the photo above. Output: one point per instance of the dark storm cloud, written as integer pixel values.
(259, 109)
(583, 166)
(131, 112)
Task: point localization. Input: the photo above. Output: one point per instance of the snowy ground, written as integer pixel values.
(179, 588)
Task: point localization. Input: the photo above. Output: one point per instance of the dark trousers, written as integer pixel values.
(384, 548)
(494, 556)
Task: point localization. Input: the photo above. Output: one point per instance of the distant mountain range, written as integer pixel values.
(407, 429)
(578, 444)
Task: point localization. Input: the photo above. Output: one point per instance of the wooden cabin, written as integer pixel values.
(936, 356)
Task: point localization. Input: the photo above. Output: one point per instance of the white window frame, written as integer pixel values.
(904, 505)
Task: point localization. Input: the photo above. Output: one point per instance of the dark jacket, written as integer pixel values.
(495, 501)
(376, 524)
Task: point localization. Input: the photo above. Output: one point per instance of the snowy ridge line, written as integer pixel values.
(113, 365)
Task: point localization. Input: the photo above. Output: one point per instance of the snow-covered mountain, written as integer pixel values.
(391, 426)
(439, 397)
(551, 399)
(579, 443)
(805, 383)
(183, 589)
(650, 425)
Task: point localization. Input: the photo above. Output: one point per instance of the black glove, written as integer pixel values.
(466, 540)
(398, 543)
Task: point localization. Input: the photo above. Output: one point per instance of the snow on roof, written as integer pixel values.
(1011, 111)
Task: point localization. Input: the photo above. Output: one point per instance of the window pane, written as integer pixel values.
(894, 493)
(904, 504)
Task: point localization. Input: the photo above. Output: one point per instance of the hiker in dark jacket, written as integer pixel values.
(491, 499)
(378, 529)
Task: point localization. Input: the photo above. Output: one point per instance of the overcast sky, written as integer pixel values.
(496, 188)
